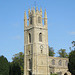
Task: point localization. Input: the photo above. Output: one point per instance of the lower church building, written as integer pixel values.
(36, 53)
(58, 66)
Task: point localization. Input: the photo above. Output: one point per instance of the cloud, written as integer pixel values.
(16, 24)
(72, 33)
(17, 37)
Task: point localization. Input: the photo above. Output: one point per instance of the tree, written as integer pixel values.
(14, 69)
(4, 66)
(73, 43)
(62, 53)
(19, 58)
(51, 51)
(71, 64)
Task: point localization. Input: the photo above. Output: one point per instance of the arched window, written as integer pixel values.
(30, 73)
(29, 64)
(53, 62)
(30, 20)
(66, 63)
(40, 37)
(29, 38)
(39, 19)
(60, 62)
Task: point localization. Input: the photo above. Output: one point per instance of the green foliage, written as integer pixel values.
(62, 53)
(14, 69)
(73, 42)
(4, 66)
(71, 65)
(51, 51)
(19, 58)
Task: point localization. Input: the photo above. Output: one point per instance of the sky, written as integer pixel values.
(61, 24)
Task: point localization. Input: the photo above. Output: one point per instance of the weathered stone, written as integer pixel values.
(36, 55)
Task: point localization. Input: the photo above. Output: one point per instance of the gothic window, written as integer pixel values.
(30, 63)
(53, 62)
(30, 20)
(30, 73)
(29, 38)
(39, 19)
(60, 62)
(66, 63)
(40, 37)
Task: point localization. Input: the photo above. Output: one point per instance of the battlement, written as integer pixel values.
(35, 18)
(34, 12)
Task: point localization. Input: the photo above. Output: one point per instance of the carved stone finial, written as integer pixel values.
(25, 19)
(29, 11)
(33, 11)
(45, 14)
(41, 11)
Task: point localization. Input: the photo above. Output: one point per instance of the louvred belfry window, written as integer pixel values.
(29, 38)
(30, 20)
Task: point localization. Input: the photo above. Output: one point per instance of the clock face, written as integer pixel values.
(41, 46)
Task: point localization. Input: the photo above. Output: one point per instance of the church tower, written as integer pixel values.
(35, 43)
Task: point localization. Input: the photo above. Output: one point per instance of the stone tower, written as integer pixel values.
(36, 43)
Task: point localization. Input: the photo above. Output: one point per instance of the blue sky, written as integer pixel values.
(61, 24)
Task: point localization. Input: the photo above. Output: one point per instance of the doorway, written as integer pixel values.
(30, 73)
(65, 74)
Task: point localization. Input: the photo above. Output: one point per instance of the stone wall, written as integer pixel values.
(58, 65)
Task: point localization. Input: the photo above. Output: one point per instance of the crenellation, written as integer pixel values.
(35, 18)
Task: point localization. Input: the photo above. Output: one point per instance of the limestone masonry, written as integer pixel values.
(36, 53)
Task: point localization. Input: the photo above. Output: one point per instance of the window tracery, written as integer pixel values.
(60, 62)
(66, 63)
(53, 62)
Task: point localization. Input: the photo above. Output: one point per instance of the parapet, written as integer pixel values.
(35, 18)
